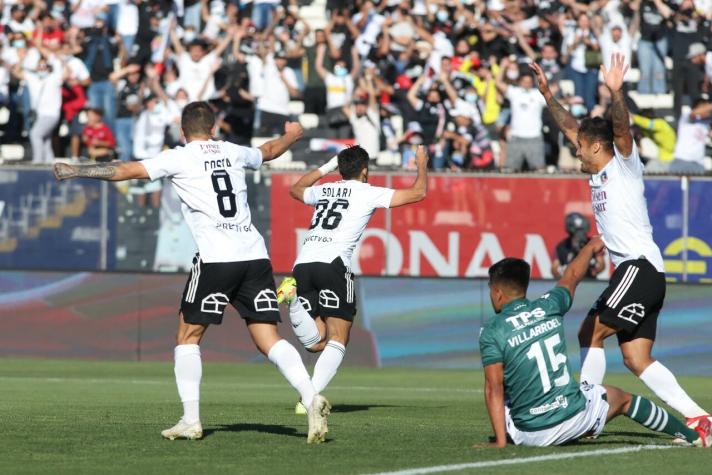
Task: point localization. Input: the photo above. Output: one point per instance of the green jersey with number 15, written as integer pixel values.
(528, 338)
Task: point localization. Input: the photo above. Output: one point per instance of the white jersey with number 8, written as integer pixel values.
(341, 212)
(209, 178)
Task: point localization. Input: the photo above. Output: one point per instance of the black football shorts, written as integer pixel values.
(326, 289)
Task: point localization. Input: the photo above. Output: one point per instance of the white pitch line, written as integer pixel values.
(517, 461)
(233, 384)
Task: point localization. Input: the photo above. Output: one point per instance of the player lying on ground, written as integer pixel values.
(232, 266)
(630, 305)
(321, 295)
(524, 356)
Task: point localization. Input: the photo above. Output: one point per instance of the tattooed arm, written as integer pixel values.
(566, 122)
(115, 171)
(613, 78)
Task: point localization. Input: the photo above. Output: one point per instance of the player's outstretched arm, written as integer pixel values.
(613, 78)
(419, 189)
(567, 123)
(274, 148)
(578, 268)
(114, 171)
(308, 180)
(494, 398)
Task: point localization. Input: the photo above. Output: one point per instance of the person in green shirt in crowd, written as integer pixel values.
(659, 131)
(530, 393)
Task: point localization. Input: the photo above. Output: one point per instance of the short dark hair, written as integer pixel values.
(512, 273)
(351, 161)
(597, 129)
(197, 119)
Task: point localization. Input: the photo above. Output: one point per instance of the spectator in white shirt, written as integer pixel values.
(195, 64)
(692, 132)
(45, 88)
(525, 141)
(365, 119)
(280, 84)
(339, 89)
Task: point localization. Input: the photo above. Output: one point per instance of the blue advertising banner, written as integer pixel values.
(45, 224)
(699, 234)
(665, 203)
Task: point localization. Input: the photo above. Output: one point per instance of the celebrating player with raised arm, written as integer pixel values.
(232, 266)
(321, 295)
(523, 352)
(630, 305)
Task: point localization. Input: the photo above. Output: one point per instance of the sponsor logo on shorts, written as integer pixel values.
(305, 303)
(214, 303)
(633, 313)
(328, 299)
(561, 402)
(266, 301)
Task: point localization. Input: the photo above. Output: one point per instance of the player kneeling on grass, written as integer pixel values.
(524, 356)
(321, 295)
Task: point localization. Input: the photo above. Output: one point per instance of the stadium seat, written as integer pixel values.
(281, 161)
(296, 107)
(707, 163)
(309, 121)
(567, 87)
(12, 152)
(4, 115)
(258, 141)
(388, 159)
(649, 149)
(63, 130)
(633, 75)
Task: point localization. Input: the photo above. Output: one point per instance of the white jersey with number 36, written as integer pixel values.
(618, 199)
(342, 211)
(209, 178)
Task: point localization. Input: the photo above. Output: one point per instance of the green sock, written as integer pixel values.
(645, 412)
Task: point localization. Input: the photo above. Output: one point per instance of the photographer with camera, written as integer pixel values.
(577, 228)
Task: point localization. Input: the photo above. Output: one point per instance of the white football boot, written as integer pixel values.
(182, 430)
(318, 410)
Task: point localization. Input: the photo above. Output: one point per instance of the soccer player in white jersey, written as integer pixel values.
(321, 293)
(232, 266)
(630, 305)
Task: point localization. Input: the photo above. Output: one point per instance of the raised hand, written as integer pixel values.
(613, 78)
(293, 130)
(541, 80)
(421, 157)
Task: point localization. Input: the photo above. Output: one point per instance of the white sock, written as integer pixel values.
(290, 364)
(593, 365)
(303, 324)
(327, 364)
(665, 386)
(189, 370)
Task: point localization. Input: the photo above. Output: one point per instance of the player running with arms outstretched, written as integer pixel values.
(630, 305)
(321, 295)
(523, 352)
(232, 266)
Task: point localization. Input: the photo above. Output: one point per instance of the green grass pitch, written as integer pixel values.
(105, 417)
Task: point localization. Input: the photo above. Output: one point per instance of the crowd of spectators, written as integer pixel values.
(391, 74)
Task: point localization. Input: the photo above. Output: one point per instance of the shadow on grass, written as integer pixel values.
(358, 407)
(619, 438)
(246, 427)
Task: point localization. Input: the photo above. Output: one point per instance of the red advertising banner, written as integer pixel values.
(462, 227)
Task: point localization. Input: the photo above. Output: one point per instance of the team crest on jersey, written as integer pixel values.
(266, 301)
(633, 313)
(328, 299)
(214, 303)
(604, 177)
